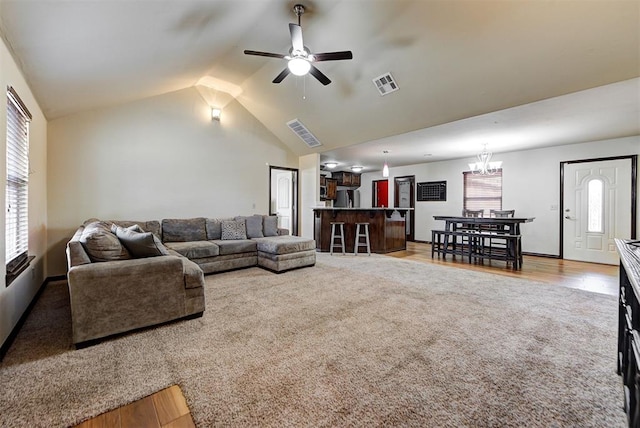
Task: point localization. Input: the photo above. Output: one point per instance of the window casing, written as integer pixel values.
(482, 192)
(17, 185)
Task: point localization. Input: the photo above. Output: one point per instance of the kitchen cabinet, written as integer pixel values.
(347, 179)
(332, 188)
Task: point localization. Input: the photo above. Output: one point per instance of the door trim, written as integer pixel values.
(412, 203)
(634, 193)
(294, 191)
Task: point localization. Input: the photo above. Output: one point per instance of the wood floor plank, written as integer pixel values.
(139, 414)
(170, 404)
(182, 422)
(106, 420)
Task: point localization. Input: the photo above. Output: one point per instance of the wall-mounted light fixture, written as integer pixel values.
(216, 113)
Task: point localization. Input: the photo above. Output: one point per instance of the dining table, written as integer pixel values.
(506, 225)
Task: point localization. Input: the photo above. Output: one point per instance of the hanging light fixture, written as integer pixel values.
(385, 167)
(484, 166)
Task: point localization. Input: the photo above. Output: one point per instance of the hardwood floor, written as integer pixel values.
(168, 408)
(164, 409)
(598, 278)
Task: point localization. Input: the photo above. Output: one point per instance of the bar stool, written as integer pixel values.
(339, 235)
(357, 244)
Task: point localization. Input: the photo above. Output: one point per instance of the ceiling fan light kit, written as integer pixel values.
(300, 58)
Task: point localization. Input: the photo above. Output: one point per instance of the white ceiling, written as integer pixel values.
(470, 72)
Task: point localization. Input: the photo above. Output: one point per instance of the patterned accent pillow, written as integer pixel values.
(233, 230)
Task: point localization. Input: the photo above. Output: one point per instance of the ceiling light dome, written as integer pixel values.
(299, 66)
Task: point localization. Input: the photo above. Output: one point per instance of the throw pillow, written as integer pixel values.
(133, 227)
(233, 229)
(271, 225)
(214, 227)
(100, 244)
(141, 244)
(253, 225)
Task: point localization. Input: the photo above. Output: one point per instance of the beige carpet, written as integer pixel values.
(366, 341)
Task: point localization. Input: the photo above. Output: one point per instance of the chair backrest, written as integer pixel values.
(502, 213)
(472, 213)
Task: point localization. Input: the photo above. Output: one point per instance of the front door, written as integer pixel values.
(596, 209)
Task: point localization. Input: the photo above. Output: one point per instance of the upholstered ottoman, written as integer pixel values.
(282, 253)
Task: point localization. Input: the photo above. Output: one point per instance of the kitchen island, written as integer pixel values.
(386, 227)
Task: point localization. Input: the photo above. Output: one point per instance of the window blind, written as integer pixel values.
(17, 190)
(483, 192)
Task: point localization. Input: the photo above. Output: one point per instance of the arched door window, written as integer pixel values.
(595, 206)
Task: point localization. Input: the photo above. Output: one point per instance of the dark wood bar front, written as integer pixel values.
(386, 227)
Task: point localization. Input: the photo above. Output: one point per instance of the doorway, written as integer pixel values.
(283, 197)
(404, 197)
(597, 205)
(380, 193)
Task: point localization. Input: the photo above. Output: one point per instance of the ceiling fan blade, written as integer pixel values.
(296, 37)
(258, 53)
(319, 75)
(332, 56)
(280, 77)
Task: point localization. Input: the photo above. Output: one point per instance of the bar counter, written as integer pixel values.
(386, 227)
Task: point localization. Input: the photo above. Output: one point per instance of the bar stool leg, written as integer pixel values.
(342, 238)
(333, 237)
(357, 244)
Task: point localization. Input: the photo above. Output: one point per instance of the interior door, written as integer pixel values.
(282, 197)
(380, 193)
(596, 209)
(404, 198)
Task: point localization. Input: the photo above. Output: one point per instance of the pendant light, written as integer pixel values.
(385, 167)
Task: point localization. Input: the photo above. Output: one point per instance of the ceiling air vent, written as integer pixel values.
(304, 134)
(385, 84)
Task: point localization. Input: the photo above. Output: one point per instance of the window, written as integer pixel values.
(17, 191)
(595, 196)
(483, 192)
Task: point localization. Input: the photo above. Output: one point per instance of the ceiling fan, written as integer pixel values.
(300, 58)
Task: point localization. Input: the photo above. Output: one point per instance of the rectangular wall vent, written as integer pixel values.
(385, 84)
(304, 134)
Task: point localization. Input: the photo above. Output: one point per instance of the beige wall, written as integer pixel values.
(310, 192)
(530, 185)
(157, 158)
(16, 298)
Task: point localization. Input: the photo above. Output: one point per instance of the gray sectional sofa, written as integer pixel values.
(124, 275)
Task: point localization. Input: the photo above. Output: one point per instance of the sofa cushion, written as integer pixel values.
(236, 246)
(193, 275)
(140, 244)
(194, 249)
(152, 226)
(284, 244)
(184, 230)
(214, 227)
(270, 225)
(233, 229)
(100, 244)
(253, 225)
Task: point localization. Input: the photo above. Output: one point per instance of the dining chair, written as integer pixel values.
(472, 213)
(502, 213)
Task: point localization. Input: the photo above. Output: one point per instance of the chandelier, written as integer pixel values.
(484, 166)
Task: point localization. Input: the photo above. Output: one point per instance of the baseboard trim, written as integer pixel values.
(548, 256)
(12, 336)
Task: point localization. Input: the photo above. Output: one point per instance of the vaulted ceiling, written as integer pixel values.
(453, 60)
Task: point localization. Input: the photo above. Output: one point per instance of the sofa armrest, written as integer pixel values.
(282, 231)
(113, 297)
